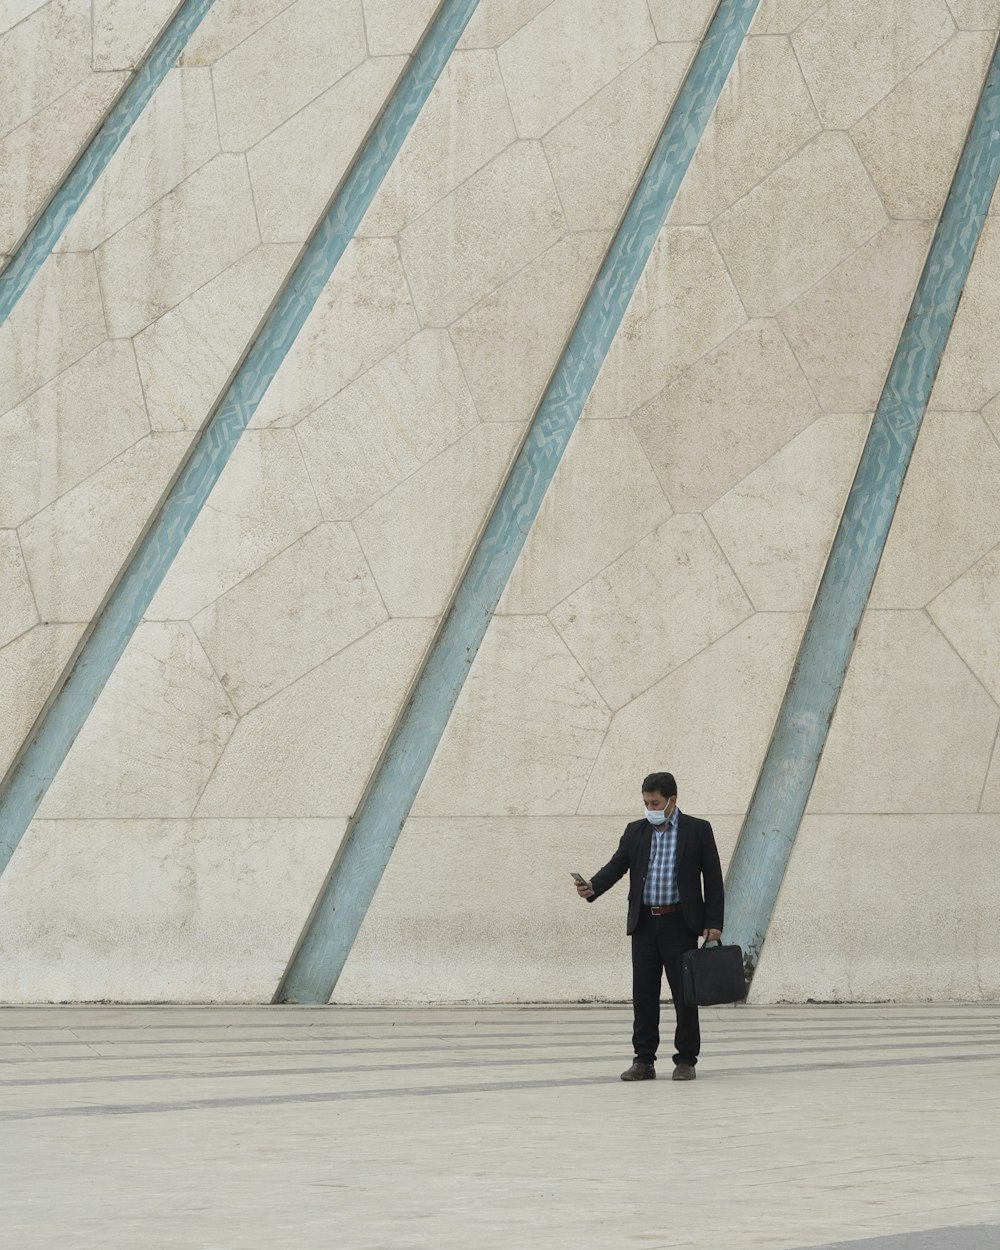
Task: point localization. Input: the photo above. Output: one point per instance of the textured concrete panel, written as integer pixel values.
(849, 60)
(968, 614)
(776, 526)
(19, 613)
(168, 910)
(684, 305)
(969, 376)
(364, 442)
(908, 704)
(764, 115)
(708, 722)
(29, 668)
(843, 336)
(603, 499)
(316, 597)
(799, 223)
(460, 250)
(725, 415)
(679, 22)
(394, 26)
(567, 54)
(948, 513)
(524, 734)
(123, 31)
(150, 744)
(658, 605)
(881, 892)
(494, 22)
(271, 767)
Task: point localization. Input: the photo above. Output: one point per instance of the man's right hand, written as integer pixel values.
(584, 889)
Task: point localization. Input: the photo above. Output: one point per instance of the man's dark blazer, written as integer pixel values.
(697, 859)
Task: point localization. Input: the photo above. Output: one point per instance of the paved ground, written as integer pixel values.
(275, 1128)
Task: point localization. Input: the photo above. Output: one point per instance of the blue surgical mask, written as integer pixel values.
(655, 818)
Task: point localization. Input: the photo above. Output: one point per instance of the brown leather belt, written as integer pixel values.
(663, 911)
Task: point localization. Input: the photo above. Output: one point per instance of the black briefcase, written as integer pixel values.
(713, 974)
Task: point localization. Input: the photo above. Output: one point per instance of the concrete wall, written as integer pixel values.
(656, 609)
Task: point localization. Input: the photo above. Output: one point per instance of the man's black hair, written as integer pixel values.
(660, 783)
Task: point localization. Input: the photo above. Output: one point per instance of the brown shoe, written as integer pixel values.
(640, 1072)
(684, 1072)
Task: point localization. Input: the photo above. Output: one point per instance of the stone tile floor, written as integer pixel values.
(292, 1128)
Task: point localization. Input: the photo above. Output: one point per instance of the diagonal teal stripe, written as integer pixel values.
(768, 833)
(351, 885)
(44, 754)
(38, 243)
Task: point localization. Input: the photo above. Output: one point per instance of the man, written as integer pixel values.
(668, 855)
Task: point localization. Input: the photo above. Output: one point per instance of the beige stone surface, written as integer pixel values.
(30, 665)
(603, 499)
(843, 873)
(672, 595)
(969, 376)
(674, 22)
(35, 156)
(908, 703)
(395, 26)
(294, 612)
(781, 17)
(272, 767)
(510, 342)
(495, 21)
(975, 14)
(465, 123)
(849, 59)
(708, 722)
(155, 734)
(598, 153)
(261, 504)
(296, 169)
(68, 429)
(799, 223)
(948, 514)
(911, 141)
(123, 30)
(418, 536)
(566, 54)
(777, 525)
(175, 135)
(365, 309)
(19, 611)
(76, 546)
(844, 331)
(465, 246)
(684, 305)
(524, 734)
(14, 11)
(178, 245)
(990, 799)
(57, 320)
(54, 41)
(763, 116)
(725, 415)
(383, 427)
(168, 910)
(968, 614)
(187, 355)
(228, 24)
(283, 66)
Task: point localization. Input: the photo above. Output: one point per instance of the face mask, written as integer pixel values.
(655, 818)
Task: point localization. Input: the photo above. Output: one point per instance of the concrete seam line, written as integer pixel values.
(336, 916)
(111, 630)
(36, 246)
(765, 843)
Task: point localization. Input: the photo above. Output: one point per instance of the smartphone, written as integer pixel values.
(578, 879)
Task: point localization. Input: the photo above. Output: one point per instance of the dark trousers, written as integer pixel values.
(657, 946)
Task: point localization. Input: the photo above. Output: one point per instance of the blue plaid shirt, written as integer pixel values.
(660, 889)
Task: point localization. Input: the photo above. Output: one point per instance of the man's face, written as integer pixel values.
(655, 802)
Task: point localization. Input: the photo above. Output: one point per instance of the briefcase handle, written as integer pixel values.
(717, 941)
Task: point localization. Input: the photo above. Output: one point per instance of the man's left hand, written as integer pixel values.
(712, 935)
